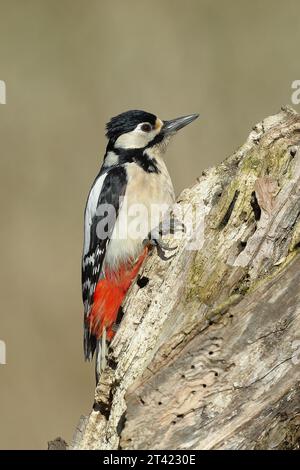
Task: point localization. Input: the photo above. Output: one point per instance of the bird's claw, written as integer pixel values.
(166, 227)
(161, 247)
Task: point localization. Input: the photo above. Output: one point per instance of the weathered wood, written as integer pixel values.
(234, 385)
(57, 444)
(206, 355)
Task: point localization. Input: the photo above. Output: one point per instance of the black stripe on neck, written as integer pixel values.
(138, 156)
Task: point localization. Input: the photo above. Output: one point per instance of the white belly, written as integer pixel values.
(148, 197)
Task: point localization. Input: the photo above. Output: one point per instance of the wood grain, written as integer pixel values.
(206, 355)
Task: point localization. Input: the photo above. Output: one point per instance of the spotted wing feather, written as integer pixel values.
(107, 190)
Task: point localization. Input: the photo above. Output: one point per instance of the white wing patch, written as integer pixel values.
(90, 210)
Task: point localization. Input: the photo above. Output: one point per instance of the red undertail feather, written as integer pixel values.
(109, 295)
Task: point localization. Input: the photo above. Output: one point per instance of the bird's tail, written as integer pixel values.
(100, 355)
(108, 297)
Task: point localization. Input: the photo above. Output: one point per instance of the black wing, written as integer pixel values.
(109, 193)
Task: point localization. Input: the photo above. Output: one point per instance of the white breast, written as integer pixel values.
(148, 196)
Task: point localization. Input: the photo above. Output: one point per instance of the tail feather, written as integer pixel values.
(100, 356)
(108, 297)
(98, 360)
(89, 342)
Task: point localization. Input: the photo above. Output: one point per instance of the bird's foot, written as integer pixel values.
(168, 226)
(161, 247)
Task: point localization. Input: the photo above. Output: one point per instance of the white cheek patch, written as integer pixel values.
(133, 139)
(136, 139)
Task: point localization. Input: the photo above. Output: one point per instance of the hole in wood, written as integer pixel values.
(296, 246)
(243, 216)
(229, 211)
(119, 316)
(255, 206)
(142, 281)
(241, 246)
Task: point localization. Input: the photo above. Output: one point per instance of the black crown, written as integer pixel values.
(126, 122)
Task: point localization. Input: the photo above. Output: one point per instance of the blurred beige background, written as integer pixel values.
(69, 65)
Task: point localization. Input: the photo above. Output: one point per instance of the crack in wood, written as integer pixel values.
(161, 349)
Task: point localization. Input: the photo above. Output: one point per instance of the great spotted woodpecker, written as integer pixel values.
(128, 198)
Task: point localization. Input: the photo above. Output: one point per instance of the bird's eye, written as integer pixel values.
(146, 127)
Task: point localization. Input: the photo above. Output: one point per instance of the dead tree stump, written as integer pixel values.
(208, 352)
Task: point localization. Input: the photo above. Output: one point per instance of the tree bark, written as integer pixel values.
(207, 355)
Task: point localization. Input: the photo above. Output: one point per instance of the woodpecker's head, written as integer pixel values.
(143, 131)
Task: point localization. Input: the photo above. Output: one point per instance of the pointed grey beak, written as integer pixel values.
(172, 126)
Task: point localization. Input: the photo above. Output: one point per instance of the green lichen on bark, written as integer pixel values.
(234, 216)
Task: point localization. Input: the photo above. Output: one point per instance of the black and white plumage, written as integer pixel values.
(133, 173)
(107, 189)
